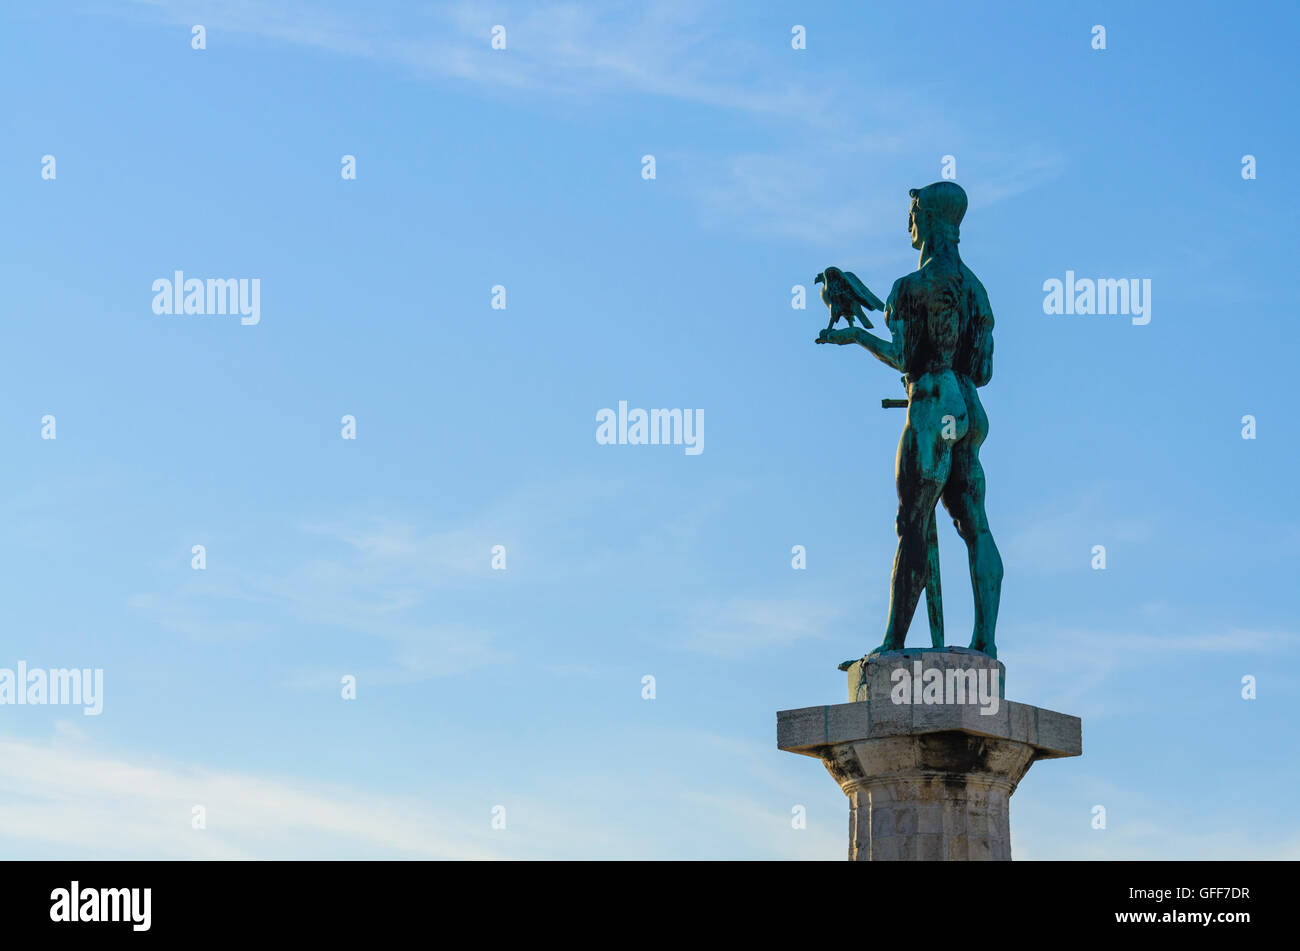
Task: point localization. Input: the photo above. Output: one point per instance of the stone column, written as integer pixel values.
(928, 751)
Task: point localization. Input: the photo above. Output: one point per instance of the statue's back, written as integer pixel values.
(974, 356)
(932, 303)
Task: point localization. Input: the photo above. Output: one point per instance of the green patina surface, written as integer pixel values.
(941, 337)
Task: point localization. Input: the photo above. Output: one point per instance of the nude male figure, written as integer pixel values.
(941, 328)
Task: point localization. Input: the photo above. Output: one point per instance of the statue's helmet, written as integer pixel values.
(944, 203)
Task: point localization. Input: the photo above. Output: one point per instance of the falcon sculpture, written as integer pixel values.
(845, 295)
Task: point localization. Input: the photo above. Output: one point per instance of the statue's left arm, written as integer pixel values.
(888, 352)
(980, 345)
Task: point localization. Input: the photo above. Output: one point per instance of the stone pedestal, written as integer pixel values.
(929, 751)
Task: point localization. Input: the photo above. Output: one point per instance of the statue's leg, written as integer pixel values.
(933, 593)
(964, 499)
(922, 466)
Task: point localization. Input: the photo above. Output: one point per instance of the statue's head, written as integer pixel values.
(935, 213)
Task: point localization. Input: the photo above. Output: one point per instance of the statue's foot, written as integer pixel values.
(984, 648)
(890, 644)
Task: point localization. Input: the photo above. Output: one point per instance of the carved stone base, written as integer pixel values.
(928, 760)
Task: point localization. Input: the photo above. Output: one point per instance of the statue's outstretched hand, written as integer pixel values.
(848, 335)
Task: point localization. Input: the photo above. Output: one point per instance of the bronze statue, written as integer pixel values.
(941, 329)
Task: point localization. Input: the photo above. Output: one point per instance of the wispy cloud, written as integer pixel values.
(376, 581)
(63, 797)
(670, 49)
(811, 188)
(744, 625)
(77, 801)
(1094, 657)
(816, 193)
(1139, 827)
(1059, 538)
(411, 587)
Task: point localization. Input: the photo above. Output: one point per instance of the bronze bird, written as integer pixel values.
(845, 295)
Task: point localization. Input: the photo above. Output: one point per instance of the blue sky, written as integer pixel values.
(475, 427)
